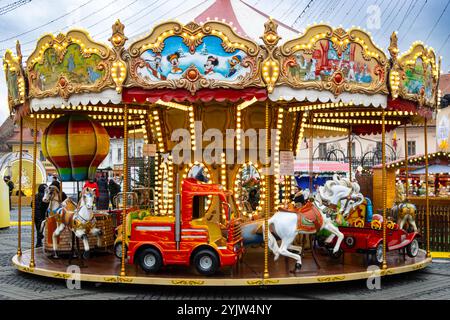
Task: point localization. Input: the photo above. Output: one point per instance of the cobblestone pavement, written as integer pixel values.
(432, 283)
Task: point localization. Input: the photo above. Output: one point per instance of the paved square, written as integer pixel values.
(430, 283)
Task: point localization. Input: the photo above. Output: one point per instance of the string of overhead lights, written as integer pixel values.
(277, 157)
(353, 114)
(238, 129)
(355, 121)
(326, 128)
(302, 130)
(192, 126)
(157, 187)
(419, 159)
(173, 105)
(320, 106)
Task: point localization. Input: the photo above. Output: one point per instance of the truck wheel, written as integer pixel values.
(118, 250)
(377, 256)
(150, 260)
(413, 248)
(206, 262)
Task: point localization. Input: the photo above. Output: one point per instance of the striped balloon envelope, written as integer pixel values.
(76, 145)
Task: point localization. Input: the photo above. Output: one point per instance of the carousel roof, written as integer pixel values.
(327, 81)
(247, 20)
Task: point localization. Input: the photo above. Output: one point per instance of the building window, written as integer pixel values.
(110, 156)
(322, 150)
(411, 148)
(119, 154)
(139, 152)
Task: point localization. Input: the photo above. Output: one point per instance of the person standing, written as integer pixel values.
(114, 189)
(10, 185)
(299, 198)
(40, 213)
(103, 199)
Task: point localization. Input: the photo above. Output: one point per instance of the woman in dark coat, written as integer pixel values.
(114, 189)
(103, 199)
(40, 213)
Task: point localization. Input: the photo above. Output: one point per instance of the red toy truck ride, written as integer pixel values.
(188, 237)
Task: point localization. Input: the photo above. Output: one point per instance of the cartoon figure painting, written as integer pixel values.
(154, 67)
(209, 58)
(234, 63)
(210, 64)
(174, 61)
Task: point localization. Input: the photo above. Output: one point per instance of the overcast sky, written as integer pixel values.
(425, 20)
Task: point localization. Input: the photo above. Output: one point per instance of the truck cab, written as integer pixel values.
(188, 237)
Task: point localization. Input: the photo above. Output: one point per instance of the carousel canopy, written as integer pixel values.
(330, 81)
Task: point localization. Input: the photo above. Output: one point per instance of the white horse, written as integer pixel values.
(340, 191)
(287, 224)
(81, 222)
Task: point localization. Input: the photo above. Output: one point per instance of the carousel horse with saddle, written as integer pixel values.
(78, 218)
(288, 222)
(403, 210)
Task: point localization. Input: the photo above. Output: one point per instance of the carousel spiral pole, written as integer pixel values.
(350, 155)
(33, 190)
(267, 195)
(383, 183)
(427, 196)
(125, 188)
(406, 162)
(19, 204)
(311, 154)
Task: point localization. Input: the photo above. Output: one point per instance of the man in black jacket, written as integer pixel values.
(40, 213)
(10, 184)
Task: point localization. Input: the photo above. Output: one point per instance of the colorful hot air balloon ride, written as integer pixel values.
(76, 145)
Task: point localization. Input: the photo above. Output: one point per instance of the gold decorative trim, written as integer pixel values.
(118, 279)
(60, 43)
(340, 40)
(193, 35)
(271, 63)
(187, 282)
(119, 70)
(15, 77)
(331, 279)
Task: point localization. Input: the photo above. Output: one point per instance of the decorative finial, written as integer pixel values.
(271, 36)
(118, 36)
(393, 47)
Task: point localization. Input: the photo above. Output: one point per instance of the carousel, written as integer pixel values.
(228, 219)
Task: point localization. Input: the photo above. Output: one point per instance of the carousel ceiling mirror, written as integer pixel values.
(248, 189)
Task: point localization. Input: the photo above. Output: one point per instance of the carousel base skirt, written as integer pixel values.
(105, 267)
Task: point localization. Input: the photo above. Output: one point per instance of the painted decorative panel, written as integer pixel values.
(194, 57)
(67, 64)
(334, 60)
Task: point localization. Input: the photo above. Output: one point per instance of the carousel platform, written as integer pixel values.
(105, 267)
